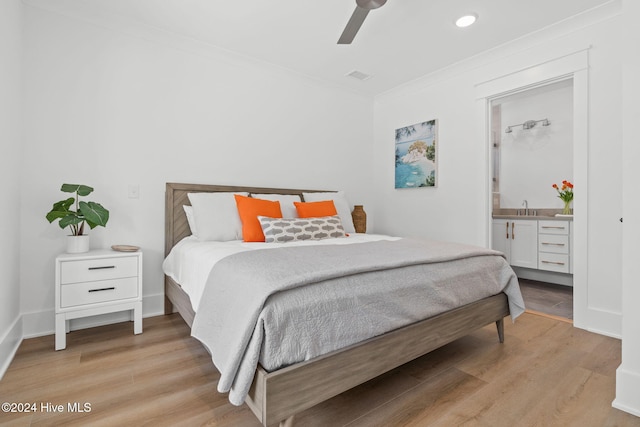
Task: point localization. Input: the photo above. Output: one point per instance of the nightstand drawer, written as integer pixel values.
(98, 291)
(98, 269)
(556, 243)
(553, 262)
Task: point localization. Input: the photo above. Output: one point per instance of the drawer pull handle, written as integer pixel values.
(552, 262)
(555, 227)
(102, 268)
(553, 244)
(112, 288)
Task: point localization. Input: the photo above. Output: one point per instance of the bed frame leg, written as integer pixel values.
(288, 422)
(168, 306)
(500, 326)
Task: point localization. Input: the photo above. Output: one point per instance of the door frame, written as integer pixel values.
(575, 66)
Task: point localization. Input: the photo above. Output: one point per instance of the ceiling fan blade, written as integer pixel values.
(353, 25)
(370, 4)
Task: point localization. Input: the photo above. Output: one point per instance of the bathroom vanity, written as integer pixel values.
(538, 247)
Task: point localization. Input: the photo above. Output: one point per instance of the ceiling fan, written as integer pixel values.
(362, 10)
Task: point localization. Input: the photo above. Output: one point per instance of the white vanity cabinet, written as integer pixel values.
(554, 243)
(542, 246)
(518, 239)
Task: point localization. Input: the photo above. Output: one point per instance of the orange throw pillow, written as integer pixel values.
(316, 209)
(249, 209)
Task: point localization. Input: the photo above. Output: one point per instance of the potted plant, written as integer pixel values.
(91, 213)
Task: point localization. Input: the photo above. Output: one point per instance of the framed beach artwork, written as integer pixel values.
(416, 155)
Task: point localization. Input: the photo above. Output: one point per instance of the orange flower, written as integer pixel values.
(565, 193)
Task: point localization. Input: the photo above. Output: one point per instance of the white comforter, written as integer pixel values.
(191, 261)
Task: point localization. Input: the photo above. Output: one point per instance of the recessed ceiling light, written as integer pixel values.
(466, 20)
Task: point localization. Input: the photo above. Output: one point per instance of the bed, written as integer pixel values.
(275, 396)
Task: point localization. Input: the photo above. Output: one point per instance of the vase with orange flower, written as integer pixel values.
(565, 193)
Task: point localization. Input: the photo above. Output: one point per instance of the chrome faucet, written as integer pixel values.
(526, 207)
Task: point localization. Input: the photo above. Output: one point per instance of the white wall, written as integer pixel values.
(628, 374)
(108, 108)
(533, 159)
(10, 161)
(449, 211)
(459, 208)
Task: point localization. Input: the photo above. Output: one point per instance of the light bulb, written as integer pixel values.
(466, 20)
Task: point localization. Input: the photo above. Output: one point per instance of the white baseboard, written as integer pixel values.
(627, 396)
(603, 322)
(9, 345)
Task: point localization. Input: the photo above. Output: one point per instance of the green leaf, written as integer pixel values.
(94, 213)
(69, 220)
(60, 209)
(53, 215)
(82, 190)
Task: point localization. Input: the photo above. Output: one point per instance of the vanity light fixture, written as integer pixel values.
(466, 20)
(528, 125)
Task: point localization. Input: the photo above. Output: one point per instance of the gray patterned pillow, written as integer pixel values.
(282, 230)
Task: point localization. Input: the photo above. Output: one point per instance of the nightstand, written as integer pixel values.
(97, 282)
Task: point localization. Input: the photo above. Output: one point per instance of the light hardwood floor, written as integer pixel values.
(547, 373)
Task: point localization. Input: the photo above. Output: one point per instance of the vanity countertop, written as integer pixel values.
(534, 217)
(540, 214)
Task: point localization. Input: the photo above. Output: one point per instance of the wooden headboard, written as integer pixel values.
(176, 227)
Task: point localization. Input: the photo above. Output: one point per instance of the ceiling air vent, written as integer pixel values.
(358, 75)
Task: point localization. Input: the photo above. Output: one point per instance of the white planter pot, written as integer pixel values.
(78, 244)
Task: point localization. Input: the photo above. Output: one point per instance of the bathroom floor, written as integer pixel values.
(547, 298)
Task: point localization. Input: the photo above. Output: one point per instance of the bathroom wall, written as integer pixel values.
(531, 160)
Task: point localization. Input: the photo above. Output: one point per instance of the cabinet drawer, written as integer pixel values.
(555, 243)
(98, 269)
(553, 262)
(98, 291)
(553, 227)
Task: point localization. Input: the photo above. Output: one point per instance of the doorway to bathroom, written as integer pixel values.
(536, 71)
(532, 154)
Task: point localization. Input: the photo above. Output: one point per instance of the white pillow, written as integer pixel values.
(216, 216)
(342, 206)
(188, 211)
(286, 202)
